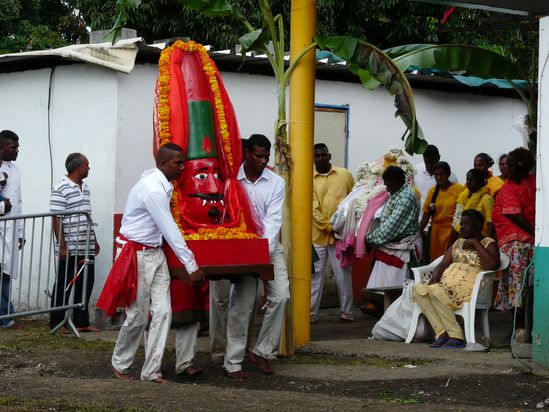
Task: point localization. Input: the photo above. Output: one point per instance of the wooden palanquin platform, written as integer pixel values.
(226, 259)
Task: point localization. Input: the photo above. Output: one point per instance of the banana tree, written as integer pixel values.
(471, 61)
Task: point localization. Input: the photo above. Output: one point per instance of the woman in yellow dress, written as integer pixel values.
(484, 162)
(453, 280)
(439, 208)
(474, 196)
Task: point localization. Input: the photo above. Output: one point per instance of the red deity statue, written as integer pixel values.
(193, 110)
(210, 206)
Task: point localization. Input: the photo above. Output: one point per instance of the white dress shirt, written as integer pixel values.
(9, 241)
(267, 198)
(147, 217)
(424, 181)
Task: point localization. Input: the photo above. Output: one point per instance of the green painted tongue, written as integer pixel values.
(201, 130)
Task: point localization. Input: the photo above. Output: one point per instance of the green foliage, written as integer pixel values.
(386, 396)
(473, 61)
(38, 24)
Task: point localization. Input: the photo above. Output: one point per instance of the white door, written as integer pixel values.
(331, 129)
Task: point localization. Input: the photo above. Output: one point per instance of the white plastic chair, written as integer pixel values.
(481, 298)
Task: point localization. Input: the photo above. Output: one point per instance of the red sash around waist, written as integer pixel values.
(120, 288)
(388, 259)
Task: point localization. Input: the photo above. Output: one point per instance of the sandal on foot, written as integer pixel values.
(122, 376)
(190, 372)
(238, 375)
(262, 363)
(437, 343)
(454, 343)
(161, 380)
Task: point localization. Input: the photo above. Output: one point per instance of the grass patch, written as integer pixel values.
(62, 404)
(325, 359)
(35, 334)
(8, 348)
(386, 396)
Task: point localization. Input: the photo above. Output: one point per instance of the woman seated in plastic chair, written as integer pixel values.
(453, 280)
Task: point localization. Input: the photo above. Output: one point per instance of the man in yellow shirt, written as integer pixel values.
(331, 184)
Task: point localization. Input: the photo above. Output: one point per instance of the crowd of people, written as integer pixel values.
(506, 204)
(463, 223)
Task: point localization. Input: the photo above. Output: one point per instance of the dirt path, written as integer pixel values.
(59, 373)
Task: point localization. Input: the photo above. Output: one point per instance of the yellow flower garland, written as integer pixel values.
(239, 232)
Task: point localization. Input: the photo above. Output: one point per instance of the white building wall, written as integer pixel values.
(83, 117)
(134, 143)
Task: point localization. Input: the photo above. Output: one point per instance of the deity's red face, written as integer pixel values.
(202, 191)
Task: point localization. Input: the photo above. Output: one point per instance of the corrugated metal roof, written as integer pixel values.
(125, 54)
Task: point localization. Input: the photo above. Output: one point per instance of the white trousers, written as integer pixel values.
(343, 278)
(185, 346)
(219, 306)
(153, 296)
(220, 301)
(278, 293)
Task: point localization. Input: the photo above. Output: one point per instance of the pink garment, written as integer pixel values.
(345, 250)
(373, 204)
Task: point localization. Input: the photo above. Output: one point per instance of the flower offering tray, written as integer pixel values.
(226, 259)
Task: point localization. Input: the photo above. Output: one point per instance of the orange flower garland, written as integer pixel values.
(164, 134)
(221, 232)
(239, 232)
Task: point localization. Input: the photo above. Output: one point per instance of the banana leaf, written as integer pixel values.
(404, 49)
(123, 7)
(469, 60)
(210, 7)
(375, 68)
(254, 40)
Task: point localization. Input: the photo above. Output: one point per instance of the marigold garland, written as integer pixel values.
(164, 134)
(222, 232)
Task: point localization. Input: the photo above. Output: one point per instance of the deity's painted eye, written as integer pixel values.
(216, 176)
(201, 176)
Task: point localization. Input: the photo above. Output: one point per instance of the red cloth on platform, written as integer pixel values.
(190, 304)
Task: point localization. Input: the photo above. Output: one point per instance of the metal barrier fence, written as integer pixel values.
(39, 276)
